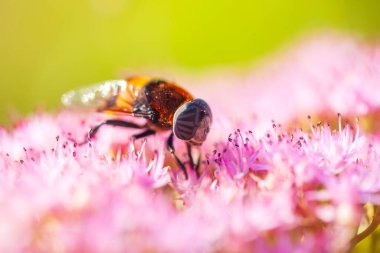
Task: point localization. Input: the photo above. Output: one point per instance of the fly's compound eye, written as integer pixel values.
(192, 121)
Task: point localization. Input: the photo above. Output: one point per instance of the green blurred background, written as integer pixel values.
(47, 47)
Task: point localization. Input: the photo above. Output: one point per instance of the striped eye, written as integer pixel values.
(192, 121)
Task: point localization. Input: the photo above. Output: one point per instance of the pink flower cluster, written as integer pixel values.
(264, 186)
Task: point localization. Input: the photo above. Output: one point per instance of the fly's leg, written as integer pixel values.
(194, 166)
(143, 134)
(170, 147)
(190, 155)
(197, 166)
(110, 122)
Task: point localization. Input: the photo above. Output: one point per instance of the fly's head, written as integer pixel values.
(192, 121)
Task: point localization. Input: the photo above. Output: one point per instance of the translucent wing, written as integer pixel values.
(96, 96)
(114, 97)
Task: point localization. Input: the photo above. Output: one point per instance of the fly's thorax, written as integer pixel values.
(163, 99)
(192, 121)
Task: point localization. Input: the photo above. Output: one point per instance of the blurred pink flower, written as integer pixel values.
(264, 187)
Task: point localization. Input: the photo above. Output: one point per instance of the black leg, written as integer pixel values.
(143, 134)
(110, 122)
(169, 144)
(135, 137)
(193, 166)
(190, 155)
(197, 166)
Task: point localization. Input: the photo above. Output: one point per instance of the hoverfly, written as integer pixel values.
(165, 105)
